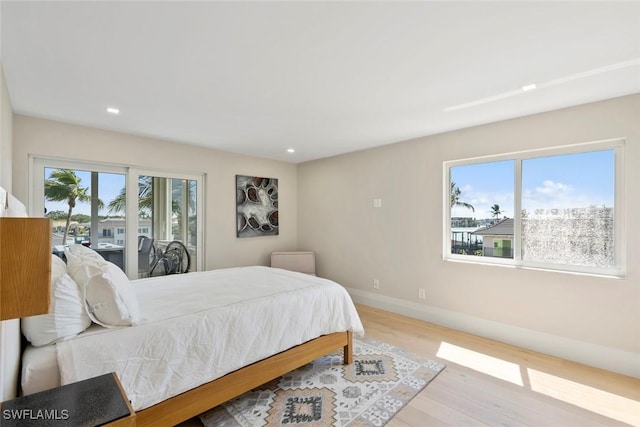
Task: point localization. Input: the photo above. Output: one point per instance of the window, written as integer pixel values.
(76, 198)
(108, 207)
(556, 209)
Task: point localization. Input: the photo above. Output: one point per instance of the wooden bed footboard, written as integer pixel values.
(207, 396)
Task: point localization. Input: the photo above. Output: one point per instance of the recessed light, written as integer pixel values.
(527, 88)
(113, 110)
(291, 150)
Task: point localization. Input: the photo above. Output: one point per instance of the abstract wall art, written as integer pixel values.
(256, 206)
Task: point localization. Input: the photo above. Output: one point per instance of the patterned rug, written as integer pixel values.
(369, 392)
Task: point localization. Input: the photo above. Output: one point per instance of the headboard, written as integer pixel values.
(302, 261)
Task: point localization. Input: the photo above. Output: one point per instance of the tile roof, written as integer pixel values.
(503, 227)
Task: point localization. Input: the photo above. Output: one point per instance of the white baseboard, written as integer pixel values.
(623, 362)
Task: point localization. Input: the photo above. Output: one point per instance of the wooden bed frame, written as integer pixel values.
(207, 396)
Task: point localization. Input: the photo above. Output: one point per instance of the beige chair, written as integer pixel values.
(304, 262)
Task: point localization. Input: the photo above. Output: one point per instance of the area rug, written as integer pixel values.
(369, 392)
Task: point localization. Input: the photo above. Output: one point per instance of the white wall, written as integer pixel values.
(34, 136)
(579, 317)
(9, 329)
(6, 132)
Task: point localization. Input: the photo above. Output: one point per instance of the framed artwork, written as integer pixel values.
(256, 206)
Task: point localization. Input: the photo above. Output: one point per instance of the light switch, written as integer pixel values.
(377, 203)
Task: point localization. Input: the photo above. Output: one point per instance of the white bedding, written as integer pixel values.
(197, 327)
(39, 369)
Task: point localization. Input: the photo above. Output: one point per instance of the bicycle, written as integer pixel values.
(174, 259)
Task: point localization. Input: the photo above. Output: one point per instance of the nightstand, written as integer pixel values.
(92, 402)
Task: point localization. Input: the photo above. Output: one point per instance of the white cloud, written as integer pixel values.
(552, 189)
(550, 194)
(556, 195)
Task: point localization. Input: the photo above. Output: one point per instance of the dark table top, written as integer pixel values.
(91, 402)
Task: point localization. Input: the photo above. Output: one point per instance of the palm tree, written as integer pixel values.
(145, 200)
(64, 185)
(145, 197)
(495, 211)
(455, 197)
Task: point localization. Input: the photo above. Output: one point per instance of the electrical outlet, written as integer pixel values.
(376, 284)
(422, 293)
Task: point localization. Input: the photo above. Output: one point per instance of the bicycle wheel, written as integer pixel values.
(176, 258)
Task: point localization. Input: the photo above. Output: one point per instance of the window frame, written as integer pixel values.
(617, 145)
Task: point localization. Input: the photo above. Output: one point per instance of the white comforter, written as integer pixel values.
(200, 326)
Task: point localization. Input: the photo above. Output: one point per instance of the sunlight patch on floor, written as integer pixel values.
(592, 399)
(493, 366)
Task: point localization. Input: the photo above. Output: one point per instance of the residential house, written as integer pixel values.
(497, 239)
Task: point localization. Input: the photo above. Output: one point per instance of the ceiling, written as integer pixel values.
(324, 78)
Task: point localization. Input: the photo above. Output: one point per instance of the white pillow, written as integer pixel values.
(110, 298)
(67, 316)
(109, 295)
(79, 259)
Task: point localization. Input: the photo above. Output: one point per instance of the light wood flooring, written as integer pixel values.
(487, 383)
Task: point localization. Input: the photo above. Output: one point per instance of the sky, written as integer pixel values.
(568, 181)
(109, 186)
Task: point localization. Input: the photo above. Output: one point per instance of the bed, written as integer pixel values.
(203, 338)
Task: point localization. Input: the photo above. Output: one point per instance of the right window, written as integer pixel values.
(557, 209)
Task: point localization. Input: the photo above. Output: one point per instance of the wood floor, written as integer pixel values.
(487, 383)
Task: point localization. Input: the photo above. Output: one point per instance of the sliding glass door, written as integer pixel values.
(128, 215)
